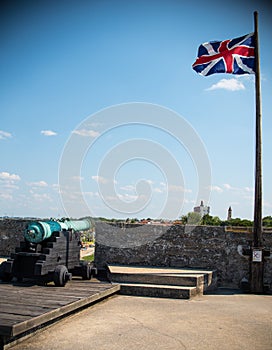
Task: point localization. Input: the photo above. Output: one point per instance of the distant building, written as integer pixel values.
(229, 214)
(202, 209)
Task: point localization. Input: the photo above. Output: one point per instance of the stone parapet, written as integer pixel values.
(207, 247)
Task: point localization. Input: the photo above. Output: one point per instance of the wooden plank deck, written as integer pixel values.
(27, 306)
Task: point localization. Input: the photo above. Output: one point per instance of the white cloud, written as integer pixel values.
(9, 177)
(56, 187)
(85, 132)
(130, 188)
(100, 179)
(249, 189)
(150, 182)
(228, 84)
(4, 135)
(172, 188)
(8, 183)
(228, 186)
(158, 190)
(127, 197)
(216, 189)
(91, 194)
(237, 189)
(48, 133)
(77, 178)
(38, 184)
(41, 197)
(6, 196)
(176, 188)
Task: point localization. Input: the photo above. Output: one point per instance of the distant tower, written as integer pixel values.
(229, 213)
(202, 209)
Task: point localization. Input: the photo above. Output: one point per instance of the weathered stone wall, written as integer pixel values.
(11, 234)
(179, 246)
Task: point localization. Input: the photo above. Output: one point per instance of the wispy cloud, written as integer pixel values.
(86, 133)
(38, 184)
(130, 188)
(9, 177)
(228, 84)
(102, 180)
(5, 135)
(6, 196)
(229, 188)
(239, 189)
(48, 133)
(41, 197)
(249, 189)
(91, 194)
(127, 197)
(8, 184)
(77, 178)
(158, 190)
(215, 188)
(172, 188)
(177, 188)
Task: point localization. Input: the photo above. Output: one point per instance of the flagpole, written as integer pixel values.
(257, 260)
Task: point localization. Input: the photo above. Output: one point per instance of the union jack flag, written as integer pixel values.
(235, 56)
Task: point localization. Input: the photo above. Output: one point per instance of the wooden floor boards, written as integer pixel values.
(26, 306)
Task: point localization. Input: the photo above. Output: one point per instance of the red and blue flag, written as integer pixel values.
(235, 56)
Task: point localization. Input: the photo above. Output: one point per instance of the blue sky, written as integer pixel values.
(66, 65)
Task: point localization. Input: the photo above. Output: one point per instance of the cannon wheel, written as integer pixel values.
(86, 271)
(61, 276)
(5, 276)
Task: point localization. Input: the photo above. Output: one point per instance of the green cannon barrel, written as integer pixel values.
(38, 231)
(76, 225)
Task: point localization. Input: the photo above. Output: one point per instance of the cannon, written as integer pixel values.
(50, 252)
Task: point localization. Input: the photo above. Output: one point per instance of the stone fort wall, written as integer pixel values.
(180, 246)
(11, 234)
(158, 245)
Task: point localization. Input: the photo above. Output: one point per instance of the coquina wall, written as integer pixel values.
(158, 245)
(11, 234)
(207, 247)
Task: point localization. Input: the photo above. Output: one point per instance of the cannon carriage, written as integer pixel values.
(50, 252)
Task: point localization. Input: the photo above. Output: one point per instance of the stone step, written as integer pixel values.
(155, 281)
(158, 290)
(152, 278)
(152, 274)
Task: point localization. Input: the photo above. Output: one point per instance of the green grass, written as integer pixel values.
(89, 258)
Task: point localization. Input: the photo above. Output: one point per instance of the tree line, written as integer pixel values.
(193, 218)
(196, 219)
